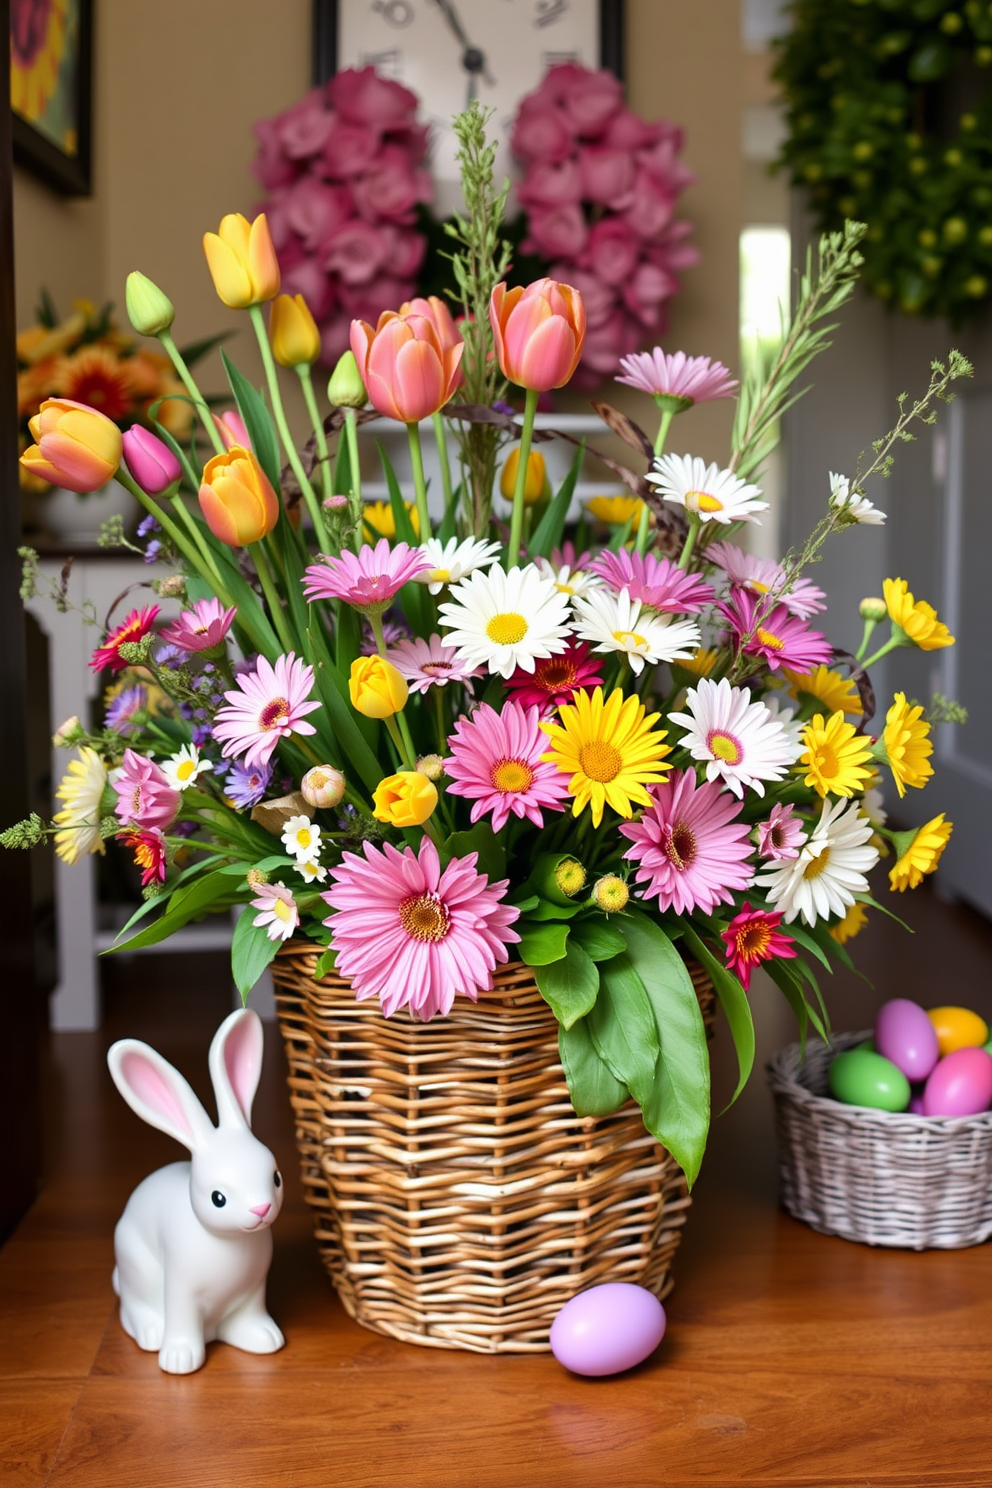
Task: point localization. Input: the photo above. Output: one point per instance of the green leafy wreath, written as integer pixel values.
(889, 111)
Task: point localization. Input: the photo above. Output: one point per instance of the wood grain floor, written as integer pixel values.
(791, 1359)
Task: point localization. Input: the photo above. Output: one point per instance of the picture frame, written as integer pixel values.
(52, 92)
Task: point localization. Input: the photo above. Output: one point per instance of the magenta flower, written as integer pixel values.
(689, 847)
(201, 628)
(781, 836)
(654, 581)
(429, 663)
(555, 678)
(566, 557)
(368, 580)
(780, 638)
(267, 705)
(150, 461)
(496, 763)
(765, 576)
(149, 854)
(134, 628)
(752, 937)
(144, 794)
(413, 936)
(689, 379)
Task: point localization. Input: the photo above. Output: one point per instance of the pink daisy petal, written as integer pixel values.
(430, 663)
(267, 705)
(781, 836)
(764, 576)
(751, 937)
(201, 628)
(689, 847)
(780, 638)
(555, 678)
(496, 763)
(697, 379)
(369, 579)
(654, 581)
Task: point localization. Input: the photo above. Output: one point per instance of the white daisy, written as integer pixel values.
(740, 740)
(855, 508)
(619, 623)
(792, 726)
(453, 560)
(567, 579)
(184, 768)
(714, 495)
(829, 872)
(506, 620)
(301, 837)
(311, 870)
(279, 912)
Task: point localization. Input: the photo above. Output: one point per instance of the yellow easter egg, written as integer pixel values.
(958, 1028)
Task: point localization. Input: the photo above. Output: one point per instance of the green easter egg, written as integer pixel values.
(862, 1078)
(988, 1047)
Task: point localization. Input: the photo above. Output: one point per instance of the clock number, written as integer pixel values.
(390, 64)
(556, 59)
(397, 13)
(549, 11)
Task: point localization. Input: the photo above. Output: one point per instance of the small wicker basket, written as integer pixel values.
(458, 1200)
(920, 1182)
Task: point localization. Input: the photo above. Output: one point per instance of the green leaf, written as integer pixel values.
(551, 526)
(545, 910)
(623, 1028)
(806, 940)
(258, 421)
(794, 997)
(449, 522)
(413, 597)
(251, 952)
(569, 986)
(327, 961)
(525, 905)
(733, 1000)
(599, 939)
(542, 944)
(592, 1087)
(479, 839)
(351, 742)
(150, 904)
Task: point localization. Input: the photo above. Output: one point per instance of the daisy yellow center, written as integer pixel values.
(565, 588)
(304, 837)
(826, 759)
(281, 910)
(725, 747)
(273, 714)
(424, 917)
(817, 865)
(753, 940)
(770, 639)
(200, 629)
(185, 769)
(440, 575)
(757, 587)
(600, 761)
(678, 843)
(702, 501)
(510, 775)
(629, 638)
(507, 629)
(144, 855)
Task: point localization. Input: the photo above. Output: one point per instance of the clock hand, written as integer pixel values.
(473, 60)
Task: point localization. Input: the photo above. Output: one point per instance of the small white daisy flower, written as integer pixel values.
(829, 873)
(311, 870)
(301, 837)
(739, 740)
(184, 768)
(453, 560)
(279, 913)
(506, 620)
(714, 495)
(618, 623)
(855, 508)
(567, 579)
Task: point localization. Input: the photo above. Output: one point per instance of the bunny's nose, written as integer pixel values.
(260, 1209)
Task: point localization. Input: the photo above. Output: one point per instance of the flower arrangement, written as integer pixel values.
(434, 751)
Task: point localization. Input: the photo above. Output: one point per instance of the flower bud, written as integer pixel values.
(346, 388)
(335, 503)
(242, 261)
(150, 461)
(431, 765)
(68, 734)
(611, 893)
(405, 799)
(872, 609)
(149, 310)
(174, 587)
(376, 688)
(77, 447)
(236, 499)
(557, 876)
(255, 876)
(232, 429)
(323, 786)
(536, 476)
(293, 332)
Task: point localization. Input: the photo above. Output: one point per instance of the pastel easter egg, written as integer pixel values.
(958, 1028)
(607, 1329)
(905, 1034)
(861, 1078)
(961, 1085)
(915, 1107)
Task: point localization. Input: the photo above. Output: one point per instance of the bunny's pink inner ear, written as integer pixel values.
(150, 1086)
(243, 1061)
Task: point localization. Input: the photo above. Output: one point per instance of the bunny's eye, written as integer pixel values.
(277, 1179)
(217, 1199)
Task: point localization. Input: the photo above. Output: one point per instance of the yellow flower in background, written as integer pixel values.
(37, 50)
(615, 511)
(921, 855)
(38, 343)
(376, 688)
(378, 520)
(699, 665)
(609, 750)
(242, 261)
(915, 617)
(835, 756)
(907, 745)
(82, 791)
(851, 925)
(835, 692)
(293, 332)
(405, 799)
(536, 476)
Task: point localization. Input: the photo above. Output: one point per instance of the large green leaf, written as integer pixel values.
(545, 910)
(542, 944)
(733, 1000)
(623, 1028)
(591, 1085)
(569, 986)
(213, 891)
(258, 421)
(337, 702)
(479, 839)
(598, 938)
(251, 952)
(551, 526)
(413, 597)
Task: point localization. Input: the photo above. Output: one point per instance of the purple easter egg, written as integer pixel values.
(915, 1107)
(961, 1084)
(905, 1036)
(608, 1329)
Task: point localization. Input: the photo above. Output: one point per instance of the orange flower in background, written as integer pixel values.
(539, 333)
(237, 499)
(242, 261)
(97, 377)
(76, 446)
(407, 370)
(39, 343)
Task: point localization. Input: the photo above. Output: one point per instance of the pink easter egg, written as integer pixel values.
(906, 1036)
(608, 1329)
(961, 1084)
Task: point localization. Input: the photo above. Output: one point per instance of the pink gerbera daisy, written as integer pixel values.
(555, 678)
(149, 854)
(201, 628)
(267, 705)
(688, 379)
(782, 639)
(279, 913)
(134, 628)
(781, 836)
(496, 763)
(413, 936)
(654, 581)
(688, 845)
(145, 795)
(369, 579)
(764, 576)
(752, 937)
(429, 663)
(567, 557)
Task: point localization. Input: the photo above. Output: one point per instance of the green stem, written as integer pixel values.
(442, 732)
(187, 518)
(419, 483)
(206, 417)
(351, 434)
(690, 541)
(269, 589)
(406, 754)
(441, 437)
(869, 629)
(643, 528)
(517, 518)
(667, 414)
(890, 645)
(310, 398)
(189, 550)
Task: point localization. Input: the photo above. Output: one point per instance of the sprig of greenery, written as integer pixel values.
(943, 710)
(35, 584)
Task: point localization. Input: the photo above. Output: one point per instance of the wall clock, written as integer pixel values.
(451, 51)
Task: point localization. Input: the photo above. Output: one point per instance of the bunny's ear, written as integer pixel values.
(158, 1093)
(236, 1065)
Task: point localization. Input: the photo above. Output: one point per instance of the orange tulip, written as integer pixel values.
(539, 333)
(436, 311)
(237, 501)
(77, 447)
(408, 371)
(293, 332)
(242, 261)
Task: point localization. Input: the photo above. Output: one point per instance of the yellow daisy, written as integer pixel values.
(835, 692)
(851, 925)
(82, 791)
(921, 855)
(609, 750)
(699, 665)
(915, 617)
(615, 510)
(835, 756)
(378, 520)
(905, 739)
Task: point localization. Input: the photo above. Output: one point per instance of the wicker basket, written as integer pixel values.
(458, 1200)
(920, 1182)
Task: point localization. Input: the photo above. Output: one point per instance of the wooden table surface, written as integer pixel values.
(791, 1358)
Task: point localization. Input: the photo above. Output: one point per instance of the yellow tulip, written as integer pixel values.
(293, 332)
(536, 476)
(404, 800)
(77, 447)
(236, 498)
(242, 261)
(376, 688)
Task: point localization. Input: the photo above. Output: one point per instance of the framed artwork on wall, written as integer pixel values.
(50, 90)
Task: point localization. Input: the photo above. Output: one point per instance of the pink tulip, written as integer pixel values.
(551, 184)
(349, 150)
(150, 461)
(436, 311)
(232, 429)
(558, 232)
(405, 367)
(612, 250)
(607, 176)
(363, 97)
(539, 333)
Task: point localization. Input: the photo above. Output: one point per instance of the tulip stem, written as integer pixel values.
(196, 553)
(355, 475)
(269, 590)
(517, 518)
(441, 439)
(419, 483)
(690, 541)
(206, 417)
(310, 398)
(375, 620)
(279, 413)
(403, 749)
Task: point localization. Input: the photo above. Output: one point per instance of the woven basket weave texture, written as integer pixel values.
(919, 1182)
(458, 1200)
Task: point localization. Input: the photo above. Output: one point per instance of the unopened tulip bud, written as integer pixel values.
(149, 310)
(536, 476)
(872, 609)
(346, 388)
(611, 893)
(405, 799)
(323, 786)
(232, 429)
(150, 461)
(293, 332)
(377, 689)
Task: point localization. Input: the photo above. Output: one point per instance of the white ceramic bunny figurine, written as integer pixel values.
(193, 1246)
